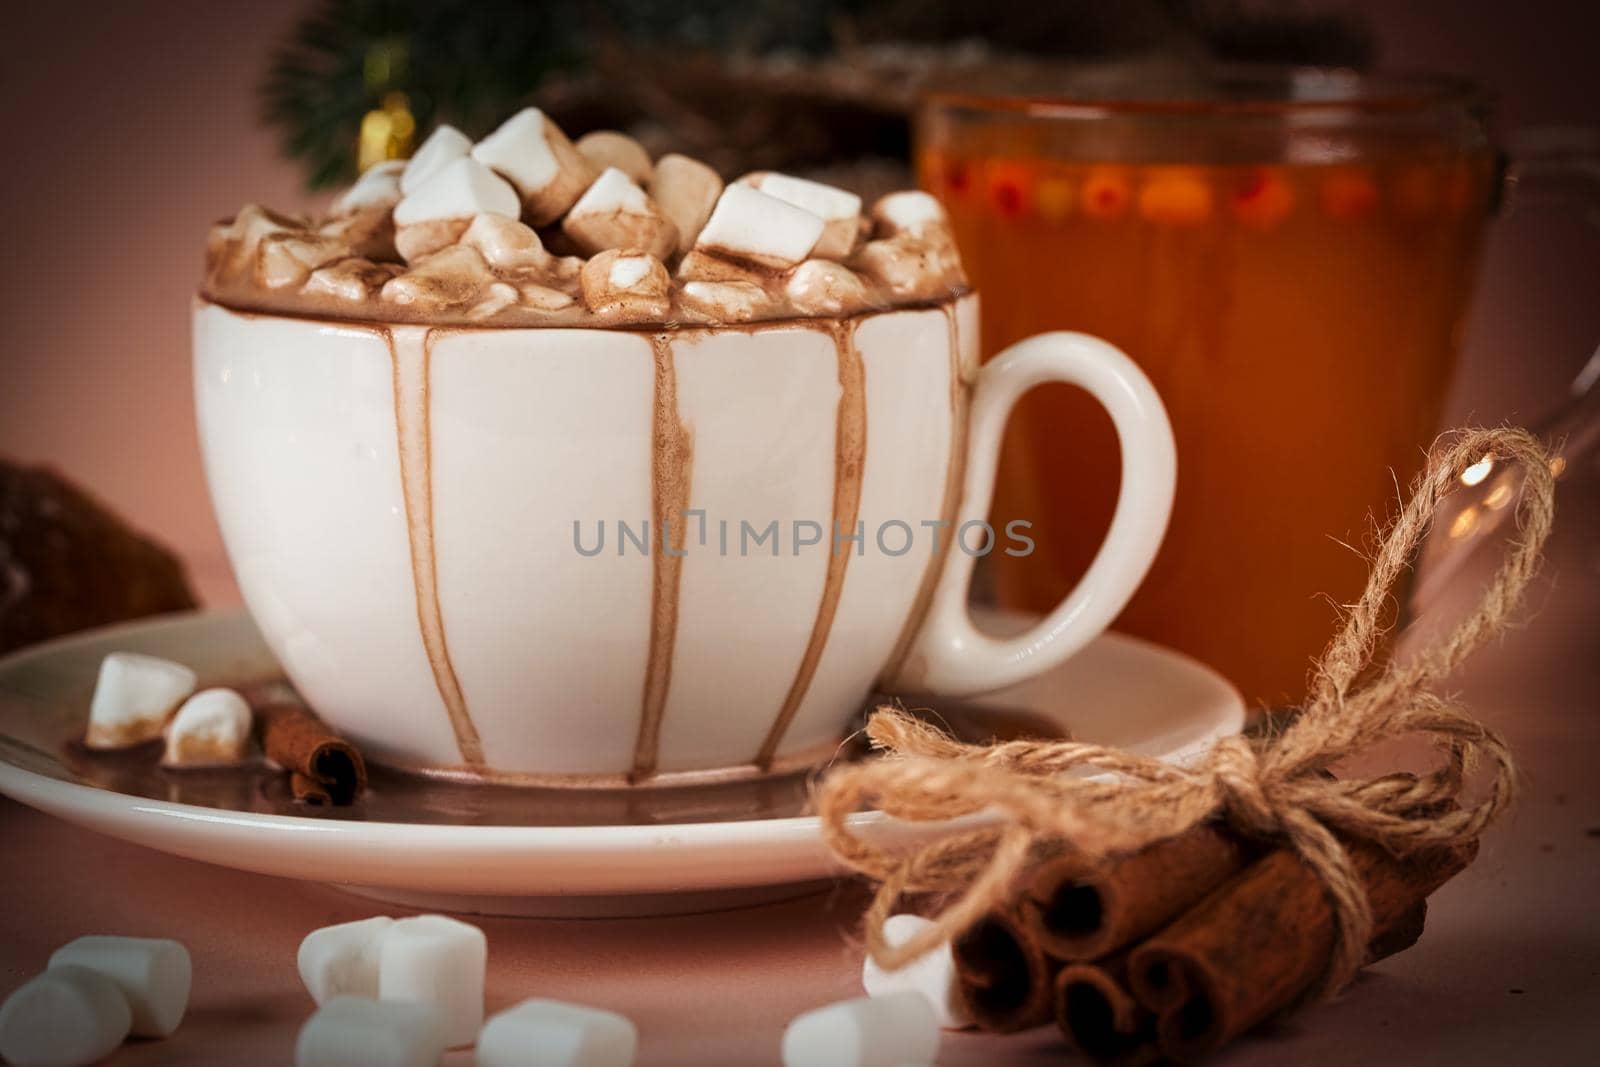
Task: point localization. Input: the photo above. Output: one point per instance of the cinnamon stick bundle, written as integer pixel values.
(1264, 939)
(1005, 976)
(323, 767)
(1100, 1019)
(1075, 916)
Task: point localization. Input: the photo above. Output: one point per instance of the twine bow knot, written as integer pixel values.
(1089, 802)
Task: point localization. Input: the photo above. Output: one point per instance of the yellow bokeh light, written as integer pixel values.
(1464, 523)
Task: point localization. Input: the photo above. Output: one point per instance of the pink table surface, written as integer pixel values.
(1507, 973)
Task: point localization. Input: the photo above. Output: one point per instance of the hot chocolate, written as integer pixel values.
(526, 228)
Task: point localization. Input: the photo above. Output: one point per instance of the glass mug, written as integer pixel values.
(1288, 255)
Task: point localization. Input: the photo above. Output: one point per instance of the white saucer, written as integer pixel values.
(469, 848)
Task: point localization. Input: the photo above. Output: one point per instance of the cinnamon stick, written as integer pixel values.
(1005, 977)
(1263, 939)
(1084, 917)
(324, 767)
(1100, 1019)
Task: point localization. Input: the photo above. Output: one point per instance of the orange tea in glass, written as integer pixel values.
(1288, 255)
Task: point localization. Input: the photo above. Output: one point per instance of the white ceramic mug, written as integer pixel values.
(411, 514)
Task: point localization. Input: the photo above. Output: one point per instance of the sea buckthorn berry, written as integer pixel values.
(1106, 193)
(1263, 198)
(1415, 193)
(1053, 196)
(1348, 194)
(1175, 196)
(1010, 187)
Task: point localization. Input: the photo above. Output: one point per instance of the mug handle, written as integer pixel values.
(949, 655)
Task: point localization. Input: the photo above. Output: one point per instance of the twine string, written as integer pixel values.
(1275, 787)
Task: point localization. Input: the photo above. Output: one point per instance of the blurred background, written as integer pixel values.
(139, 125)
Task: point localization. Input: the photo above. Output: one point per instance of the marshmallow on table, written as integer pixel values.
(437, 212)
(686, 191)
(750, 225)
(615, 213)
(625, 283)
(534, 155)
(152, 973)
(839, 210)
(65, 1017)
(211, 728)
(438, 961)
(549, 1033)
(342, 960)
(932, 975)
(897, 1030)
(378, 186)
(133, 697)
(357, 1032)
(823, 287)
(608, 148)
(443, 146)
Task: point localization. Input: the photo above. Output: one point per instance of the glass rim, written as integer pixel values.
(1261, 90)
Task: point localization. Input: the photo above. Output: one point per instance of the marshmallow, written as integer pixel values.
(622, 283)
(608, 148)
(898, 1030)
(615, 213)
(439, 211)
(133, 698)
(231, 247)
(823, 287)
(548, 1033)
(908, 211)
(932, 975)
(686, 190)
(368, 231)
(536, 295)
(701, 267)
(839, 210)
(444, 146)
(212, 727)
(533, 154)
(378, 186)
(749, 225)
(342, 960)
(287, 259)
(441, 962)
(152, 973)
(496, 299)
(65, 1017)
(350, 280)
(506, 243)
(453, 277)
(912, 266)
(356, 1032)
(725, 301)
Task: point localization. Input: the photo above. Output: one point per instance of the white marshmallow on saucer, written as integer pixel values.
(624, 284)
(615, 213)
(212, 728)
(443, 146)
(438, 211)
(608, 148)
(686, 191)
(378, 186)
(534, 155)
(549, 1033)
(133, 698)
(839, 210)
(908, 211)
(65, 1017)
(932, 975)
(439, 961)
(154, 975)
(357, 1032)
(749, 225)
(342, 960)
(898, 1030)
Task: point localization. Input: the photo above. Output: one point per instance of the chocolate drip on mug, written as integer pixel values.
(850, 453)
(411, 353)
(671, 456)
(954, 481)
